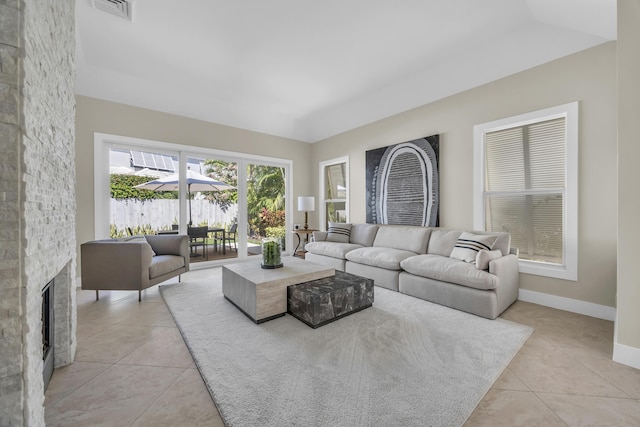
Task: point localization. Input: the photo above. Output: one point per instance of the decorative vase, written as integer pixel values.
(271, 253)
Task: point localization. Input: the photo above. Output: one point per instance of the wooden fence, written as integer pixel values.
(162, 213)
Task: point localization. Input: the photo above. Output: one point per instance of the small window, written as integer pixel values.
(334, 184)
(526, 184)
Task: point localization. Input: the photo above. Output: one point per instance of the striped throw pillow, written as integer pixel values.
(468, 245)
(339, 232)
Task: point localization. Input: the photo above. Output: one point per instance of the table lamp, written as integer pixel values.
(306, 204)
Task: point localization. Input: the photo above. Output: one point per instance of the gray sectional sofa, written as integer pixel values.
(476, 271)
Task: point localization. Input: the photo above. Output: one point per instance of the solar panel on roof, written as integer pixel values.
(152, 161)
(137, 159)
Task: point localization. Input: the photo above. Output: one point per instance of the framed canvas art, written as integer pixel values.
(403, 183)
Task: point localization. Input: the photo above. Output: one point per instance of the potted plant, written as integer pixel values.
(271, 253)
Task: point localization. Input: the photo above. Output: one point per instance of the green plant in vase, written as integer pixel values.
(271, 253)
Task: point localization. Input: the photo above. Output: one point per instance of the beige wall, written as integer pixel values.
(93, 115)
(628, 332)
(588, 77)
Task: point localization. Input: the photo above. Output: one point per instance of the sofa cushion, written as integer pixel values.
(468, 245)
(338, 232)
(485, 257)
(163, 264)
(406, 238)
(137, 239)
(168, 244)
(318, 236)
(442, 242)
(503, 243)
(363, 234)
(387, 258)
(449, 270)
(331, 249)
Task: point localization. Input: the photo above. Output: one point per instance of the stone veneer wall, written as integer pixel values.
(37, 196)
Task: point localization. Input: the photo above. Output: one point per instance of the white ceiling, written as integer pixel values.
(312, 69)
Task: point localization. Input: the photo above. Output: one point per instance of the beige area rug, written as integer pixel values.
(402, 362)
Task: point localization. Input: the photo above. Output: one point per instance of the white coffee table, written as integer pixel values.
(261, 293)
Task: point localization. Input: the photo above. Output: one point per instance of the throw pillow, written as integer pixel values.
(339, 232)
(468, 245)
(484, 257)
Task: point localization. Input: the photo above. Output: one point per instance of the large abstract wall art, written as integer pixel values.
(403, 183)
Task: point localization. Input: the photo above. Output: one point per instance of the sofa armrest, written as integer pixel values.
(109, 264)
(319, 236)
(508, 271)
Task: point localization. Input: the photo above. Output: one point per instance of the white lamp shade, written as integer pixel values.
(306, 203)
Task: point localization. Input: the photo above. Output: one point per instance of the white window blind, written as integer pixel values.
(526, 183)
(525, 186)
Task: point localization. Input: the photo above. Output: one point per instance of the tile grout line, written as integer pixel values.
(159, 395)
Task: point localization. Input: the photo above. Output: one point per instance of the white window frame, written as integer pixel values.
(569, 269)
(322, 205)
(104, 142)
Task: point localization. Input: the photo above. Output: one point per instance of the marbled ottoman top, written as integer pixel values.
(321, 301)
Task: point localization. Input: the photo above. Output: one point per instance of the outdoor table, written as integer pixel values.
(215, 232)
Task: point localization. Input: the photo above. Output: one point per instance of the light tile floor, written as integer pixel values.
(132, 368)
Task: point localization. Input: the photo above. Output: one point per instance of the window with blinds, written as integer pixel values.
(525, 187)
(526, 173)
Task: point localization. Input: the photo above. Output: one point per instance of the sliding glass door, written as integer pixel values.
(266, 205)
(235, 199)
(136, 205)
(212, 205)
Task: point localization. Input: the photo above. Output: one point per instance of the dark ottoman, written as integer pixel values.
(322, 301)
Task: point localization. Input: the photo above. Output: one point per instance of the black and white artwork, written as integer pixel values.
(403, 183)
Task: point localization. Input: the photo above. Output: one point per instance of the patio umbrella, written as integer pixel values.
(195, 182)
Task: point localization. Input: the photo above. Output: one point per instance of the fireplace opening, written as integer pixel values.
(47, 332)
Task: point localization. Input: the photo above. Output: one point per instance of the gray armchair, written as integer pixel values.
(133, 264)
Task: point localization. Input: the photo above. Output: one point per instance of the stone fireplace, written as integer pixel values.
(37, 197)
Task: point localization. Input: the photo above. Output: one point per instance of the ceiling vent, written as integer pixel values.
(121, 8)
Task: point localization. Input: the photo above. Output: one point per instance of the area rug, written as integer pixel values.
(402, 362)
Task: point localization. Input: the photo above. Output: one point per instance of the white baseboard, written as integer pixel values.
(626, 355)
(568, 304)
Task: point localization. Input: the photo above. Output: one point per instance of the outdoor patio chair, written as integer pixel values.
(230, 237)
(198, 237)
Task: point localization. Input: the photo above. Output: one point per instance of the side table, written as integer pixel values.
(300, 251)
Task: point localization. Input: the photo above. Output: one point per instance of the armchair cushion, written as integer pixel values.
(139, 239)
(169, 244)
(163, 264)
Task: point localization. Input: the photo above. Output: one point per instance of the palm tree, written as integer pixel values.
(265, 191)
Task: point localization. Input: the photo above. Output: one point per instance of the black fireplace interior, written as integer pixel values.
(47, 332)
